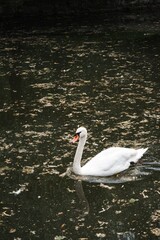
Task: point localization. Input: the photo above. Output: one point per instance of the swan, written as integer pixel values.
(106, 163)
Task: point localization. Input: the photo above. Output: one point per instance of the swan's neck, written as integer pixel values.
(78, 156)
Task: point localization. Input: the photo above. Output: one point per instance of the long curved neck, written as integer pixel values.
(78, 156)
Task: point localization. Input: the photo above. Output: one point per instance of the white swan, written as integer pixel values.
(106, 163)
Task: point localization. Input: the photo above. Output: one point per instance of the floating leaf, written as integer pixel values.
(59, 237)
(12, 230)
(132, 200)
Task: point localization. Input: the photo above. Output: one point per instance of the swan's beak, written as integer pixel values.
(76, 138)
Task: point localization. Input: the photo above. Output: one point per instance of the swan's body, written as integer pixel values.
(106, 163)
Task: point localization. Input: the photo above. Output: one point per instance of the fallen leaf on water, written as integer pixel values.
(12, 230)
(23, 187)
(106, 186)
(100, 235)
(143, 194)
(59, 237)
(156, 216)
(28, 170)
(70, 190)
(132, 200)
(4, 169)
(156, 231)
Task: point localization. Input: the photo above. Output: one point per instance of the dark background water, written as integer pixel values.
(104, 76)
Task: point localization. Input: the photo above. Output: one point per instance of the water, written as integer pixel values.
(104, 77)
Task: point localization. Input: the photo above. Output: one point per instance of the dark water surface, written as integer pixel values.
(106, 78)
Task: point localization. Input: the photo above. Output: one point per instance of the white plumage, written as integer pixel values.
(106, 163)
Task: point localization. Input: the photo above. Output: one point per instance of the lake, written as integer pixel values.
(104, 76)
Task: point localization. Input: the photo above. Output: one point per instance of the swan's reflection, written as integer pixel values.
(82, 198)
(84, 211)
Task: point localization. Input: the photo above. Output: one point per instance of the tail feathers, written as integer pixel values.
(142, 151)
(139, 154)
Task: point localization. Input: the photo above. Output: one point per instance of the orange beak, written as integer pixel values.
(75, 139)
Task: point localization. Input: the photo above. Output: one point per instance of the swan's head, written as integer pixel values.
(80, 133)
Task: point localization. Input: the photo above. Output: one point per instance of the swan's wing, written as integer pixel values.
(110, 161)
(113, 156)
